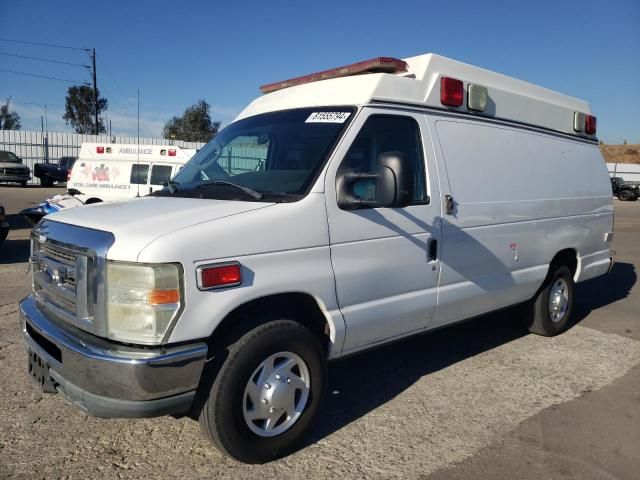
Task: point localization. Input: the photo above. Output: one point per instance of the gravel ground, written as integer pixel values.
(403, 411)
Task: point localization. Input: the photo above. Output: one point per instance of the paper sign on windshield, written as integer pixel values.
(328, 117)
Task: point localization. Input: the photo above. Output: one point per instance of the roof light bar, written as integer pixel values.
(374, 65)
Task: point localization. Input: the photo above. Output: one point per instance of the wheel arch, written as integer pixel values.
(568, 257)
(301, 307)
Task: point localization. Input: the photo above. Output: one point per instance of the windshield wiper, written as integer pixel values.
(249, 191)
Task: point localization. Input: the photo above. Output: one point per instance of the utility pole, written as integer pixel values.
(95, 85)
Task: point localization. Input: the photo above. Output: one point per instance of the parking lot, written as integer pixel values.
(480, 400)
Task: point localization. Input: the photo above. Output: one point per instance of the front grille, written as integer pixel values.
(54, 278)
(57, 253)
(15, 171)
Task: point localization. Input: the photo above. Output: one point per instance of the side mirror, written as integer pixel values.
(393, 184)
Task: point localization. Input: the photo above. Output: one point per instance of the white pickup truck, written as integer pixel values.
(380, 200)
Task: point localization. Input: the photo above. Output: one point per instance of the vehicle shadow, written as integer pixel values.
(17, 221)
(602, 291)
(362, 383)
(15, 250)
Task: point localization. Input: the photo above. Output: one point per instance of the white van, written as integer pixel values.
(112, 171)
(339, 212)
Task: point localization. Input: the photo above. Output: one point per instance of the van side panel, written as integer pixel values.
(520, 197)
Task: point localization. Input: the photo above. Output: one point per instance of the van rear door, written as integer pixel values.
(139, 179)
(161, 173)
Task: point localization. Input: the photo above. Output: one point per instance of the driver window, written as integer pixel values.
(386, 133)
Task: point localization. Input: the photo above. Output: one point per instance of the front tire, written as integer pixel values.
(550, 311)
(266, 392)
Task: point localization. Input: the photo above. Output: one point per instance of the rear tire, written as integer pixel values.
(243, 390)
(46, 182)
(625, 196)
(549, 313)
(23, 184)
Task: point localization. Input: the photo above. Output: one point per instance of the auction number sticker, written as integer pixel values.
(328, 117)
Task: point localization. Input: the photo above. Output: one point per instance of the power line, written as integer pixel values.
(43, 44)
(44, 60)
(36, 103)
(43, 76)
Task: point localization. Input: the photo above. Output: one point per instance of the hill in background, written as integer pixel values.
(621, 153)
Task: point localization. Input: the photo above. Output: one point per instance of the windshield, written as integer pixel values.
(9, 157)
(269, 157)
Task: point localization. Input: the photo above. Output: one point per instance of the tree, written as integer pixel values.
(195, 124)
(9, 120)
(80, 110)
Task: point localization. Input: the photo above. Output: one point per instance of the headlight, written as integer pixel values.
(142, 301)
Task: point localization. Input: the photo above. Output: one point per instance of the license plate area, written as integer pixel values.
(39, 372)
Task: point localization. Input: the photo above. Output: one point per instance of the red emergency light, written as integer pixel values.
(375, 65)
(590, 125)
(99, 149)
(172, 152)
(451, 92)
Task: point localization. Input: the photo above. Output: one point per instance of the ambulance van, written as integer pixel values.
(379, 200)
(110, 171)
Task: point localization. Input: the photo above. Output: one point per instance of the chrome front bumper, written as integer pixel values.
(107, 379)
(15, 178)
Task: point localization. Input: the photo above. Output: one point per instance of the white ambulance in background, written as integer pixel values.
(106, 172)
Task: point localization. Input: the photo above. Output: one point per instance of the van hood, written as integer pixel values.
(137, 222)
(13, 165)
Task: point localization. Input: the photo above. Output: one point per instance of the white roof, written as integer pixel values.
(509, 98)
(135, 152)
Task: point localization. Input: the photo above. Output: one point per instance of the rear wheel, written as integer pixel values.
(626, 195)
(266, 392)
(46, 182)
(549, 313)
(23, 184)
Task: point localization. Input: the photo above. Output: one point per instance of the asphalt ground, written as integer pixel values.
(481, 400)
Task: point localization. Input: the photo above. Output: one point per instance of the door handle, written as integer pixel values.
(432, 250)
(449, 204)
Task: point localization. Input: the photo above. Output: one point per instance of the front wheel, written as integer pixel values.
(549, 313)
(266, 392)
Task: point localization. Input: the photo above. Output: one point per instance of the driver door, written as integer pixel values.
(385, 260)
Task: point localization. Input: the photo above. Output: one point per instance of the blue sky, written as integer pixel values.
(179, 51)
